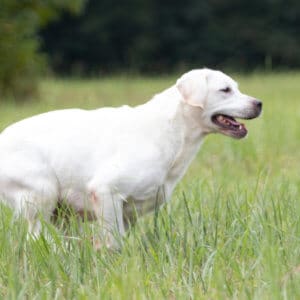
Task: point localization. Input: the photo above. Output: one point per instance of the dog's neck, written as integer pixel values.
(186, 130)
(171, 103)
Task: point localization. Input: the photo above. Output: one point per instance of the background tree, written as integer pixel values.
(20, 61)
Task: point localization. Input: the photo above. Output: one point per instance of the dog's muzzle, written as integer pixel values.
(228, 125)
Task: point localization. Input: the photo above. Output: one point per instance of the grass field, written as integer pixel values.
(231, 231)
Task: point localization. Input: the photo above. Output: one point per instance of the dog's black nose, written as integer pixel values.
(258, 106)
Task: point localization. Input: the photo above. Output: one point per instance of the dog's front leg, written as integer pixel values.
(108, 209)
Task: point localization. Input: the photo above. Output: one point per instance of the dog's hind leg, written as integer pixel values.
(31, 204)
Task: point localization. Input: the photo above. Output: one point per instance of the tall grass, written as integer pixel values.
(231, 231)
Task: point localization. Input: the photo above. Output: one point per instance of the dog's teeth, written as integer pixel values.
(240, 127)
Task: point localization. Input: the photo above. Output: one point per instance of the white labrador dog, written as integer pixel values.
(114, 163)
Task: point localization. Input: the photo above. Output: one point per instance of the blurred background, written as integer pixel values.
(232, 228)
(91, 38)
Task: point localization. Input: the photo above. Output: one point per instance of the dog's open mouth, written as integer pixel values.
(229, 126)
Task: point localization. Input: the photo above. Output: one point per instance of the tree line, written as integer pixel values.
(155, 35)
(89, 37)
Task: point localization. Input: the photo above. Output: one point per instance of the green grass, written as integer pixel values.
(231, 231)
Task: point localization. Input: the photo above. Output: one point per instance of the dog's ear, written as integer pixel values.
(193, 87)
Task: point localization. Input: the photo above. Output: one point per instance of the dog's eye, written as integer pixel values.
(226, 90)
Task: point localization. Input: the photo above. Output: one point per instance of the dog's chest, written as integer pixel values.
(134, 207)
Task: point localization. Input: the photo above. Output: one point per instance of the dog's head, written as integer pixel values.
(220, 100)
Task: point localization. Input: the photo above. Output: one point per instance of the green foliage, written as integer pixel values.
(20, 62)
(152, 35)
(231, 230)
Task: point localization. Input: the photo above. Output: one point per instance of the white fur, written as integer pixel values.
(108, 160)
